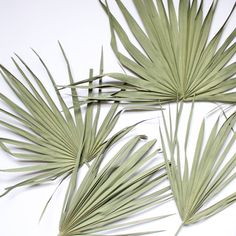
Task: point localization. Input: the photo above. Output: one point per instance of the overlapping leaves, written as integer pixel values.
(177, 61)
(212, 169)
(115, 192)
(52, 143)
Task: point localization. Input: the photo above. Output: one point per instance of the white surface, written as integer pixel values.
(83, 28)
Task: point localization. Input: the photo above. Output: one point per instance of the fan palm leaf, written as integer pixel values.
(52, 141)
(212, 169)
(113, 193)
(178, 60)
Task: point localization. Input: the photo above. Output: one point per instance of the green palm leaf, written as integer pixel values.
(178, 60)
(52, 143)
(113, 193)
(211, 170)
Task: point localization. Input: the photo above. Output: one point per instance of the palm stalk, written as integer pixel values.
(177, 60)
(52, 142)
(115, 192)
(212, 169)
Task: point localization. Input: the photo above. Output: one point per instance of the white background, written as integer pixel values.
(82, 27)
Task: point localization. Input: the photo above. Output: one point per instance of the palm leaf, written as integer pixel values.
(211, 172)
(178, 60)
(52, 143)
(115, 192)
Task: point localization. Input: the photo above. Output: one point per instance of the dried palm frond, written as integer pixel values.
(178, 60)
(52, 143)
(113, 193)
(212, 168)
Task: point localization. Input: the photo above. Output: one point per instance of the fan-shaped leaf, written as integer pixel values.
(52, 143)
(115, 192)
(211, 171)
(178, 61)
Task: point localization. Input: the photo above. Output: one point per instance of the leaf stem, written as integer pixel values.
(180, 227)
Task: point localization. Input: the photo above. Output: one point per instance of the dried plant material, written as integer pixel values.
(115, 192)
(178, 60)
(53, 143)
(211, 171)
